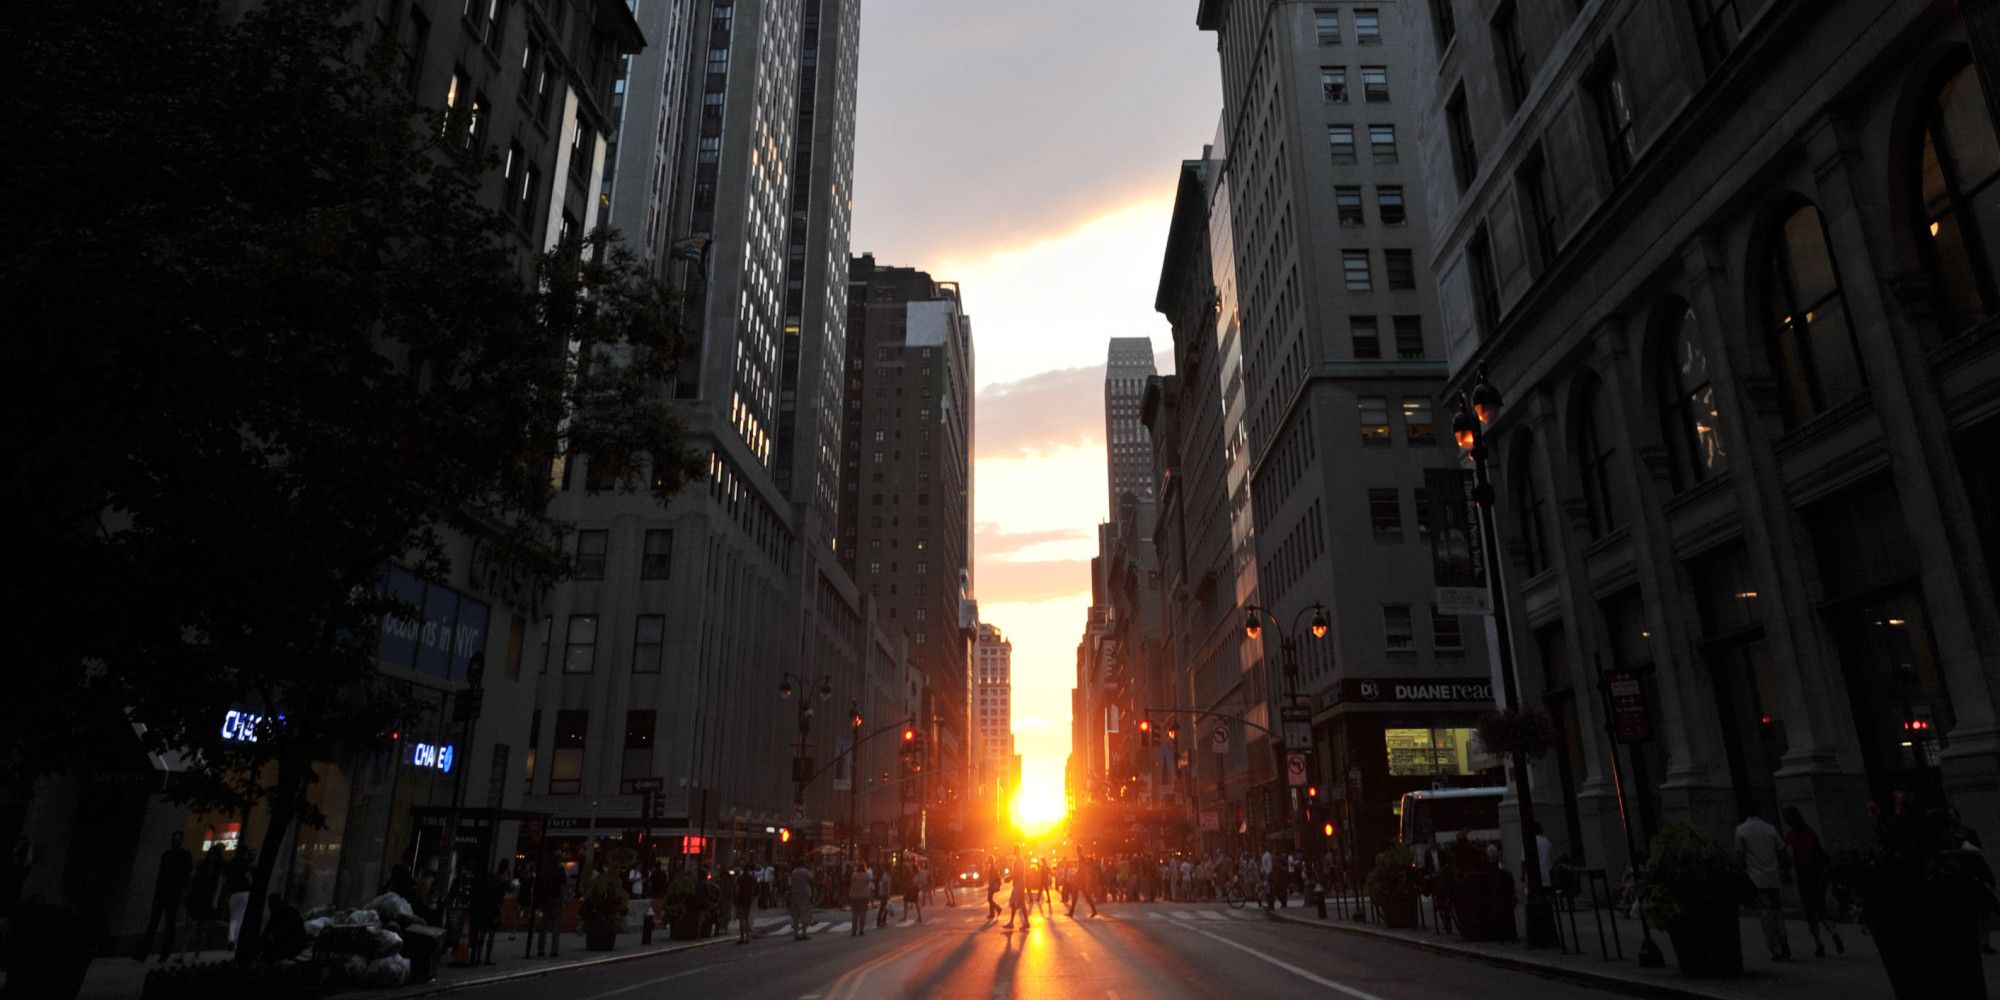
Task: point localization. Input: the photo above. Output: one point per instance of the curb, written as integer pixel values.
(439, 989)
(1552, 970)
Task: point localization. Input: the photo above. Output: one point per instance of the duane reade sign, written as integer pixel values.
(1417, 690)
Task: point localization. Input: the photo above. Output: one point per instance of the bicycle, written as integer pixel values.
(1234, 893)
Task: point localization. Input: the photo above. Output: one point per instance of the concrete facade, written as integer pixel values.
(1744, 350)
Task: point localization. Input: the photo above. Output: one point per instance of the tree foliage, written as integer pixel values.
(265, 338)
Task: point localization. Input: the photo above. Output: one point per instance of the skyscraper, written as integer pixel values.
(906, 483)
(1128, 450)
(992, 703)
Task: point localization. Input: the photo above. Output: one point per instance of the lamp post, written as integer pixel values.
(799, 766)
(1468, 427)
(1253, 625)
(853, 776)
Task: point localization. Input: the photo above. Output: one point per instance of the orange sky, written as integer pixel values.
(1046, 195)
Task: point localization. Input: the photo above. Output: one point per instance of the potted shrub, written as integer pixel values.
(1476, 892)
(1922, 904)
(1693, 888)
(603, 911)
(681, 909)
(1392, 884)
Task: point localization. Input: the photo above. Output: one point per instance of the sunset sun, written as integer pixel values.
(1038, 806)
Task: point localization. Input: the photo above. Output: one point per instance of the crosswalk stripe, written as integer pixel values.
(1211, 915)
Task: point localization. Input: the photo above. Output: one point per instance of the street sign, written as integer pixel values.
(1627, 694)
(647, 784)
(1211, 822)
(1458, 556)
(1295, 769)
(1218, 738)
(1297, 724)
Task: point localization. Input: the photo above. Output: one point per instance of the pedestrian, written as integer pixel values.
(551, 898)
(1079, 885)
(1762, 851)
(169, 886)
(484, 913)
(919, 892)
(992, 875)
(860, 889)
(1976, 879)
(204, 896)
(746, 900)
(949, 880)
(800, 900)
(1021, 899)
(1810, 863)
(236, 888)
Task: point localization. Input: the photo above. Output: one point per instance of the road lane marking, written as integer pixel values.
(1211, 915)
(651, 982)
(1289, 967)
(848, 986)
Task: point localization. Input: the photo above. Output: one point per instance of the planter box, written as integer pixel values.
(599, 939)
(1399, 912)
(1708, 941)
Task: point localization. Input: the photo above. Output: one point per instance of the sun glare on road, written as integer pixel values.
(1038, 806)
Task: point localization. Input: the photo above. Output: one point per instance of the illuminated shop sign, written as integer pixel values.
(432, 756)
(447, 628)
(239, 726)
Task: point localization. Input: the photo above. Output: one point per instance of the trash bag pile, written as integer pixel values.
(379, 945)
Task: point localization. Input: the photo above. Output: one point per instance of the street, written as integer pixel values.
(1133, 951)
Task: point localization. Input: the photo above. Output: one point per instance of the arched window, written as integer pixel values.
(1529, 505)
(1692, 421)
(1595, 434)
(1812, 343)
(1960, 224)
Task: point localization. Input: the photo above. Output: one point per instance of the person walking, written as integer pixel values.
(992, 876)
(551, 897)
(860, 890)
(236, 889)
(919, 892)
(1020, 899)
(176, 866)
(489, 891)
(800, 900)
(1762, 851)
(885, 884)
(1079, 884)
(746, 900)
(203, 897)
(1810, 863)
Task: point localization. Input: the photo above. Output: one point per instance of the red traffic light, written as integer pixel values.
(1145, 725)
(909, 736)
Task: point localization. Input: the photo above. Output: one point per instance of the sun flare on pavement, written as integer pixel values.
(1038, 806)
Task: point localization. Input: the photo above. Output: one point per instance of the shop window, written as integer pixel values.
(1959, 222)
(1433, 752)
(566, 766)
(1811, 342)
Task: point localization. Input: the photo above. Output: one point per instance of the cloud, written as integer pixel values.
(1040, 413)
(992, 541)
(1009, 580)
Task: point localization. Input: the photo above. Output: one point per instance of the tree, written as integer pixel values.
(265, 340)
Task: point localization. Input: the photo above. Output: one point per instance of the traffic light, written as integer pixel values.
(909, 736)
(1146, 732)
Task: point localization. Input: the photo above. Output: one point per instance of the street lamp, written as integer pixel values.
(800, 766)
(1468, 427)
(853, 759)
(1253, 626)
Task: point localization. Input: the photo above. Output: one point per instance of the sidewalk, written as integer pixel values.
(117, 977)
(1856, 975)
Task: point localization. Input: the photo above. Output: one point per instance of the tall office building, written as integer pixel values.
(906, 484)
(993, 721)
(1128, 451)
(1342, 363)
(648, 132)
(1730, 267)
(666, 655)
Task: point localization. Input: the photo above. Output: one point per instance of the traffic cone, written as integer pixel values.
(461, 954)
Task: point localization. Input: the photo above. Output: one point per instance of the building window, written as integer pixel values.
(1508, 52)
(1341, 139)
(1423, 502)
(1333, 79)
(1419, 427)
(1382, 143)
(1385, 515)
(1717, 28)
(1693, 420)
(1367, 26)
(580, 645)
(1375, 84)
(638, 760)
(1354, 264)
(1367, 336)
(1444, 23)
(591, 549)
(1398, 636)
(1812, 344)
(1529, 508)
(1410, 337)
(1389, 204)
(649, 638)
(1402, 270)
(1326, 24)
(1485, 285)
(1613, 105)
(1464, 155)
(1446, 636)
(1374, 420)
(657, 561)
(1347, 203)
(1955, 202)
(1596, 453)
(416, 40)
(1538, 202)
(566, 767)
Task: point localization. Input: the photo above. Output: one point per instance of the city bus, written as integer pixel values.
(1434, 818)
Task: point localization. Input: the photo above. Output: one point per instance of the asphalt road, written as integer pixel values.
(1132, 952)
